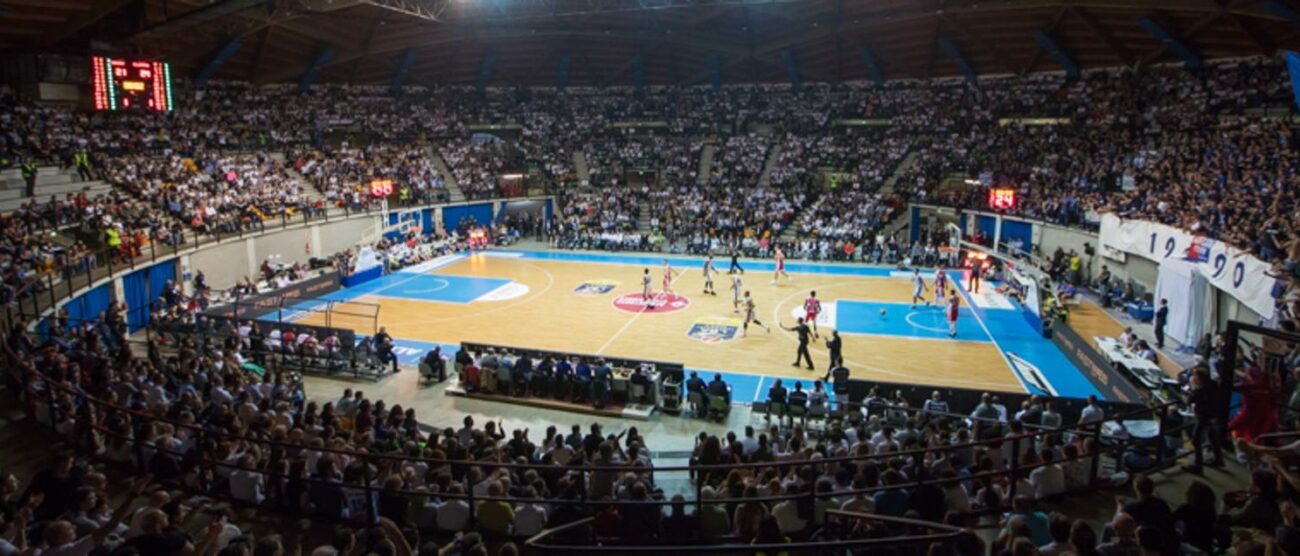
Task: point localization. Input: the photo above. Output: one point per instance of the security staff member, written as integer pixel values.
(29, 178)
(82, 161)
(804, 333)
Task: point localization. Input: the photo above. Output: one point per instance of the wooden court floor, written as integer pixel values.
(552, 316)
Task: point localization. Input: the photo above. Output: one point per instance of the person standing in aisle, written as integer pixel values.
(29, 178)
(1162, 318)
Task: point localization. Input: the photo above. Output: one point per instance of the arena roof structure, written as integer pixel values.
(647, 42)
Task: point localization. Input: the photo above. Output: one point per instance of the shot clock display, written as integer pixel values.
(381, 188)
(1002, 198)
(121, 84)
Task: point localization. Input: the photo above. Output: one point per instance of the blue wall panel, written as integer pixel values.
(89, 305)
(1015, 230)
(914, 229)
(451, 217)
(141, 288)
(986, 225)
(482, 213)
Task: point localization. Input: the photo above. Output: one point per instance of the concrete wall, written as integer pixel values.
(226, 263)
(222, 264)
(337, 236)
(287, 247)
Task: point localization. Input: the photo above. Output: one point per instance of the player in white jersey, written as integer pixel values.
(751, 315)
(668, 277)
(940, 285)
(646, 286)
(735, 292)
(709, 271)
(918, 289)
(780, 267)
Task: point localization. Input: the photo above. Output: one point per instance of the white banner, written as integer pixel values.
(1232, 270)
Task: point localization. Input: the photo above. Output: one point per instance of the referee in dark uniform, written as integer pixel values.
(804, 333)
(835, 345)
(735, 263)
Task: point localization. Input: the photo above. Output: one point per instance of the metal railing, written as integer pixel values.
(36, 297)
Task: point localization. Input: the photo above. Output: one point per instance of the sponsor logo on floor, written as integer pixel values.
(713, 330)
(658, 303)
(593, 288)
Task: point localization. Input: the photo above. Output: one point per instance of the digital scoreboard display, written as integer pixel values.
(1002, 198)
(121, 84)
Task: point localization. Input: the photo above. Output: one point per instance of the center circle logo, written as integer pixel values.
(658, 303)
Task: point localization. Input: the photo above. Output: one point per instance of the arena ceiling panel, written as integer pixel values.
(611, 42)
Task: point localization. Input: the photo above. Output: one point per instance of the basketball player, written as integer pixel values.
(780, 267)
(811, 308)
(940, 285)
(709, 271)
(952, 314)
(646, 286)
(668, 278)
(735, 292)
(918, 290)
(751, 315)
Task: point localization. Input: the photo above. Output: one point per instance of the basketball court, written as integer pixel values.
(590, 303)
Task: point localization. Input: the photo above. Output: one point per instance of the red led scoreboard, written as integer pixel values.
(121, 84)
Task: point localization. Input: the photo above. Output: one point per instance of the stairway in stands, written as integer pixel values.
(309, 190)
(773, 154)
(706, 163)
(50, 180)
(903, 165)
(454, 192)
(788, 234)
(643, 222)
(580, 166)
(902, 220)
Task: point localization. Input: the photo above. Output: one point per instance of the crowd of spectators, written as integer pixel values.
(213, 193)
(207, 425)
(1192, 150)
(344, 176)
(476, 167)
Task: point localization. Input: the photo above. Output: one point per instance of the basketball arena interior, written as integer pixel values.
(499, 277)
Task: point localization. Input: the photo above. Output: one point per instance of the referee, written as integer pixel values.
(735, 263)
(804, 334)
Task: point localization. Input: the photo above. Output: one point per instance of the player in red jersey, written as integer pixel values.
(811, 308)
(780, 267)
(668, 278)
(940, 285)
(953, 311)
